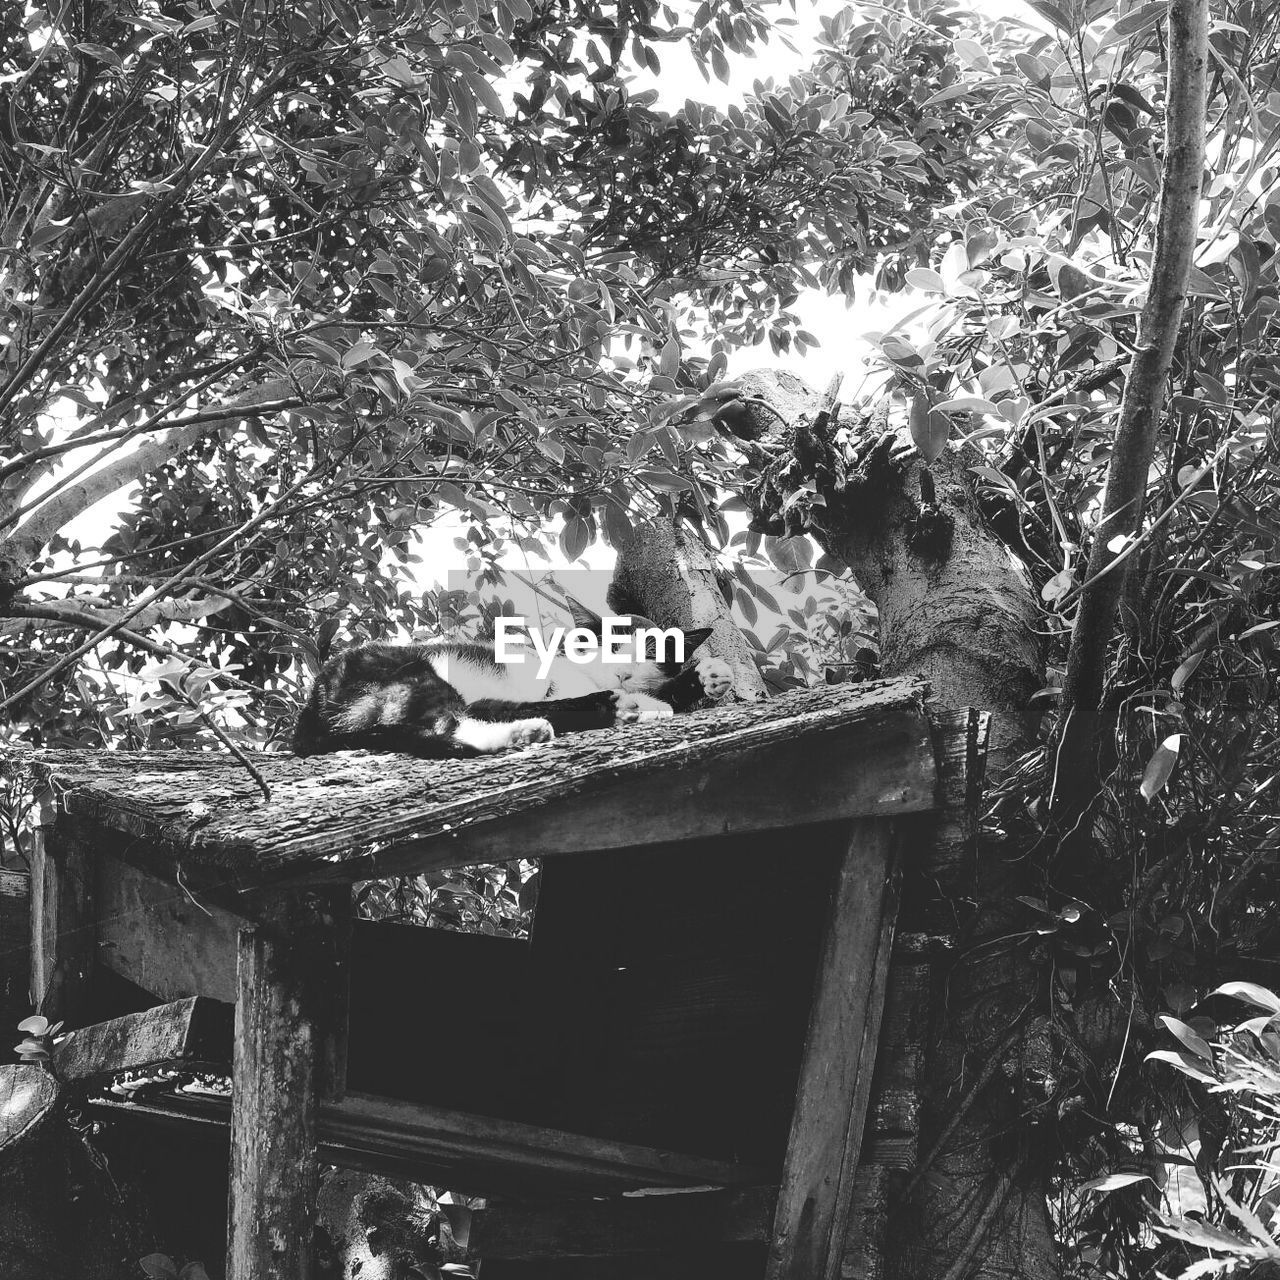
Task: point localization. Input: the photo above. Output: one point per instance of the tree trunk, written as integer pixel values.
(955, 608)
(666, 574)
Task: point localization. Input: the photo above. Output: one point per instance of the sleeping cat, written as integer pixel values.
(455, 699)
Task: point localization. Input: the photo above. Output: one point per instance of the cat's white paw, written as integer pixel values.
(716, 676)
(525, 732)
(636, 708)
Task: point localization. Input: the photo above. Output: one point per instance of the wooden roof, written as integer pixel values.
(846, 751)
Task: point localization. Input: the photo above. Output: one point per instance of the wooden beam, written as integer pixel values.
(478, 1154)
(15, 947)
(290, 1028)
(63, 923)
(766, 789)
(818, 1173)
(193, 1032)
(162, 938)
(633, 1224)
(199, 817)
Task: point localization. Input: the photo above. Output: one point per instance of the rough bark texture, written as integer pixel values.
(955, 608)
(208, 815)
(669, 576)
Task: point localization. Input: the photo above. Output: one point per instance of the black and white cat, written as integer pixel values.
(455, 699)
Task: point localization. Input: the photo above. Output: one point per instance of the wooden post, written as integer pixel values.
(290, 1052)
(15, 947)
(63, 925)
(835, 1074)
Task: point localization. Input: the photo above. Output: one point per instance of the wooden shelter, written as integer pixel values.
(696, 1012)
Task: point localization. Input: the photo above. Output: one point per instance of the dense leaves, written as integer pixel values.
(311, 278)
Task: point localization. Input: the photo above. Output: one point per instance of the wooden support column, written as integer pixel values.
(290, 1053)
(15, 947)
(63, 923)
(816, 1189)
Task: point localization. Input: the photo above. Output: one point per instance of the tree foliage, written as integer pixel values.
(310, 277)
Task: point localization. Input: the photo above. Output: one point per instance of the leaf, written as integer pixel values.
(791, 555)
(669, 359)
(101, 52)
(1187, 1037)
(1033, 68)
(899, 350)
(1160, 766)
(1059, 18)
(1185, 670)
(1250, 993)
(1182, 1062)
(359, 354)
(1114, 1182)
(574, 538)
(929, 430)
(966, 404)
(1139, 20)
(980, 246)
(34, 1026)
(928, 280)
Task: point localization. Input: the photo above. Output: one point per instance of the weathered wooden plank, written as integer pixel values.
(63, 924)
(470, 1153)
(817, 1182)
(895, 1095)
(768, 788)
(201, 816)
(15, 946)
(631, 1224)
(193, 1032)
(960, 740)
(162, 938)
(292, 981)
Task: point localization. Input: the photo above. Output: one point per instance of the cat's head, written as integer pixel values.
(653, 649)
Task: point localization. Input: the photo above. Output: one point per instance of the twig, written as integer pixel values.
(221, 735)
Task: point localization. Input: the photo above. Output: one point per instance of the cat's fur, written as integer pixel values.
(452, 699)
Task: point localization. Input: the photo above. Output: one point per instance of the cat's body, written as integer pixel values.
(455, 699)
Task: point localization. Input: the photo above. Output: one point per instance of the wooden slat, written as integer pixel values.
(835, 1079)
(631, 1224)
(767, 788)
(193, 1032)
(477, 1154)
(894, 1125)
(15, 946)
(63, 924)
(200, 815)
(161, 938)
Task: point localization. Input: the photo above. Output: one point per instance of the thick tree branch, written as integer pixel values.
(93, 617)
(668, 575)
(1140, 410)
(26, 542)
